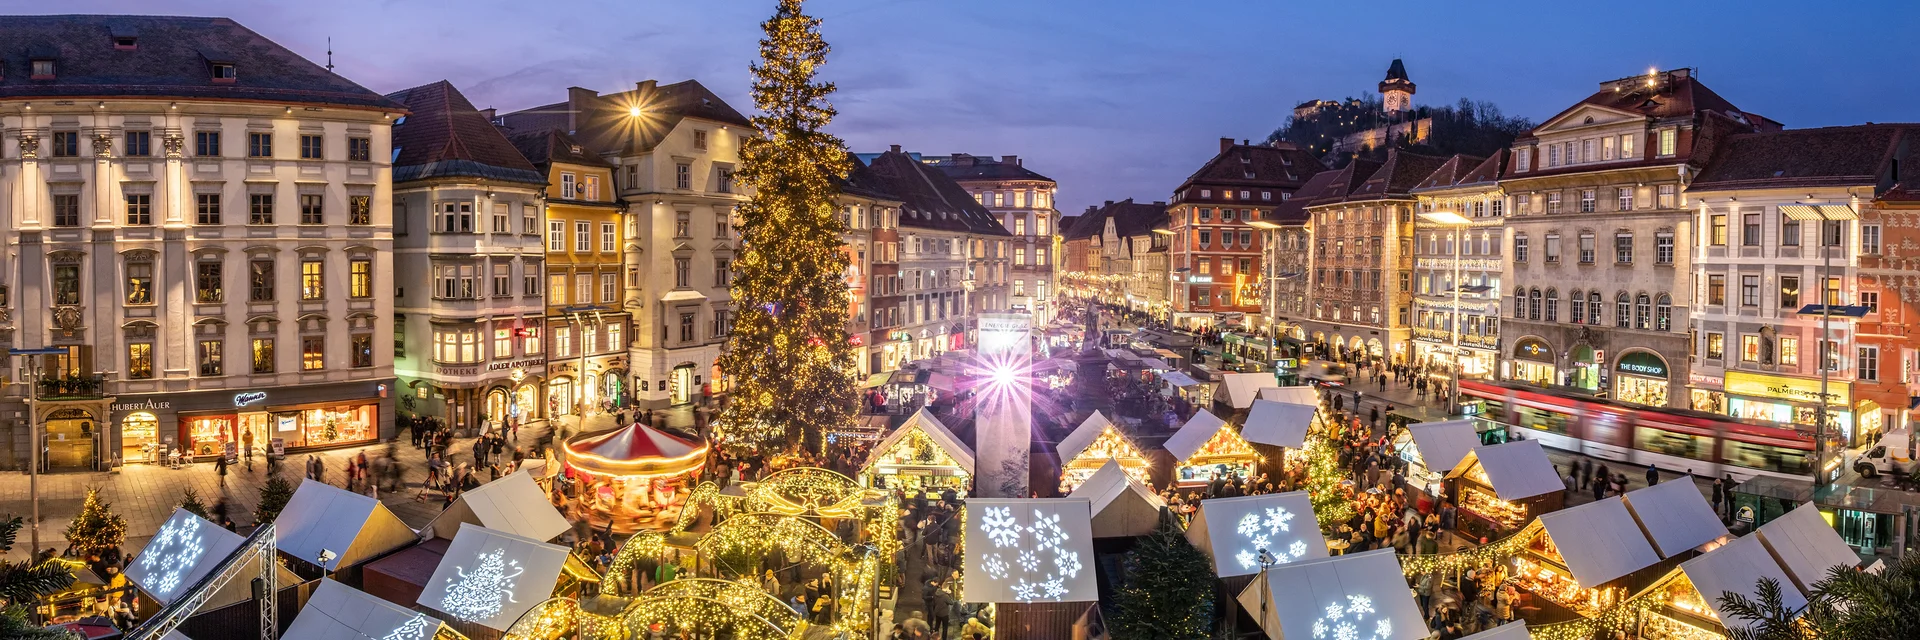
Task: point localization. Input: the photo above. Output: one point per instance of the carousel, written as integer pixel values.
(637, 478)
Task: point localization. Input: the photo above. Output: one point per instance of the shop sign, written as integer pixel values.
(560, 367)
(1702, 380)
(1641, 363)
(1200, 279)
(245, 398)
(1795, 389)
(1286, 363)
(145, 405)
(457, 371)
(517, 364)
(1533, 349)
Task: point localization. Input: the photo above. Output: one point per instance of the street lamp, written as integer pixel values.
(1827, 215)
(1455, 223)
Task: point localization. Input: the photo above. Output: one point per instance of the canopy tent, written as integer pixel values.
(1304, 394)
(1516, 630)
(183, 552)
(1514, 470)
(1675, 517)
(1281, 424)
(490, 577)
(333, 528)
(1362, 595)
(1091, 445)
(638, 450)
(336, 611)
(1029, 550)
(1806, 545)
(1179, 380)
(1207, 447)
(513, 504)
(1599, 541)
(874, 381)
(1232, 531)
(1442, 445)
(921, 450)
(1738, 567)
(1122, 507)
(1244, 388)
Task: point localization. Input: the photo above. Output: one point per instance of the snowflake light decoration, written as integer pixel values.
(996, 566)
(1027, 554)
(1260, 531)
(1348, 620)
(480, 595)
(174, 552)
(999, 526)
(1068, 562)
(414, 628)
(1046, 530)
(1028, 561)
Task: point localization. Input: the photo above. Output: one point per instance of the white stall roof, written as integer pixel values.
(1178, 379)
(1364, 594)
(1443, 444)
(1281, 424)
(1517, 470)
(1157, 364)
(1122, 507)
(183, 552)
(490, 577)
(513, 504)
(1675, 516)
(1599, 541)
(1029, 550)
(1516, 630)
(337, 611)
(1806, 545)
(1232, 531)
(1244, 388)
(935, 431)
(1082, 436)
(323, 518)
(1304, 394)
(1738, 566)
(1194, 434)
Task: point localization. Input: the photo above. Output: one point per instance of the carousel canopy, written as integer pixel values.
(1806, 545)
(339, 612)
(1281, 424)
(1361, 595)
(345, 527)
(1675, 516)
(513, 504)
(1122, 507)
(1599, 541)
(1194, 434)
(1516, 470)
(1244, 388)
(180, 555)
(637, 450)
(1082, 436)
(1232, 531)
(1029, 550)
(1516, 630)
(491, 577)
(1305, 394)
(1738, 566)
(924, 422)
(1443, 444)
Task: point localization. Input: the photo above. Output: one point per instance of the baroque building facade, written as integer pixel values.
(1362, 261)
(1459, 262)
(1215, 252)
(1022, 200)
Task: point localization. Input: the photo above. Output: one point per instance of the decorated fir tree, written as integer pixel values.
(273, 497)
(191, 502)
(96, 529)
(21, 581)
(1168, 589)
(788, 355)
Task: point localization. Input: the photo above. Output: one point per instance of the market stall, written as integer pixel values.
(1207, 448)
(1582, 558)
(1676, 518)
(331, 528)
(636, 478)
(1029, 550)
(488, 578)
(1362, 596)
(185, 551)
(921, 453)
(1432, 449)
(336, 611)
(1180, 385)
(1232, 531)
(1502, 487)
(1089, 447)
(513, 504)
(1301, 394)
(1516, 630)
(1241, 389)
(1278, 432)
(1806, 546)
(1685, 605)
(1122, 507)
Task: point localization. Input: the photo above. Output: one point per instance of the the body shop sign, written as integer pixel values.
(248, 398)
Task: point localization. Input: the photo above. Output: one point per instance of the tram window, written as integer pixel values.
(1495, 410)
(1768, 457)
(1664, 442)
(1548, 421)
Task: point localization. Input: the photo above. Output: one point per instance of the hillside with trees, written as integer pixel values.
(1469, 127)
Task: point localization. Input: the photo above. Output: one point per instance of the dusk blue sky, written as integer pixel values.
(1113, 99)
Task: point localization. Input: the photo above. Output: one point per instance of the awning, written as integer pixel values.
(513, 504)
(1599, 541)
(875, 380)
(345, 528)
(1122, 507)
(1442, 445)
(1806, 545)
(1029, 550)
(1364, 590)
(924, 423)
(1232, 531)
(1516, 470)
(337, 611)
(1675, 516)
(1178, 379)
(1194, 434)
(1738, 567)
(1281, 424)
(490, 577)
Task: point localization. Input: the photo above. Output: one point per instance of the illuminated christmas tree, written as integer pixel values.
(96, 529)
(788, 354)
(481, 594)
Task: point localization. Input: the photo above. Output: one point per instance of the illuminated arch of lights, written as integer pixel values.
(706, 605)
(799, 538)
(551, 619)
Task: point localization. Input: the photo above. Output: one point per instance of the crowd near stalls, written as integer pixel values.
(920, 454)
(1433, 449)
(1091, 445)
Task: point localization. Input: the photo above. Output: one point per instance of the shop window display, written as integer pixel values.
(207, 435)
(140, 438)
(334, 425)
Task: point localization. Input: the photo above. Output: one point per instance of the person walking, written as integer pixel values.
(246, 444)
(1584, 470)
(220, 467)
(1653, 475)
(1719, 493)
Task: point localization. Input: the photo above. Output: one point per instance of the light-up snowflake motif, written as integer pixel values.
(1024, 590)
(1347, 621)
(173, 552)
(1260, 532)
(479, 595)
(999, 526)
(414, 628)
(1046, 530)
(1068, 562)
(995, 565)
(1028, 561)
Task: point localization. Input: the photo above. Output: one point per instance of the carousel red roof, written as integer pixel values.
(636, 449)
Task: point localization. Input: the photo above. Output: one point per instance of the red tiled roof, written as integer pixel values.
(1257, 165)
(445, 136)
(1857, 155)
(1450, 172)
(1294, 210)
(547, 146)
(930, 199)
(1345, 180)
(1130, 218)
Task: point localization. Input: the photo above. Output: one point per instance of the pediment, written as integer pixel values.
(1586, 116)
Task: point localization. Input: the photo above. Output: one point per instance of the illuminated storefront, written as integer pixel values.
(1640, 377)
(140, 438)
(1533, 363)
(1784, 400)
(298, 417)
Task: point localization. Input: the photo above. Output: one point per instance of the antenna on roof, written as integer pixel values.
(329, 54)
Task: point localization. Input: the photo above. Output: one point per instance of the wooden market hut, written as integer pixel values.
(1204, 448)
(1090, 445)
(921, 453)
(1502, 487)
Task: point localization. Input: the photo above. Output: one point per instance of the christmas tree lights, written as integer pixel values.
(481, 594)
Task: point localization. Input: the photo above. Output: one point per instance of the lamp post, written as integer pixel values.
(1455, 223)
(1827, 215)
(33, 431)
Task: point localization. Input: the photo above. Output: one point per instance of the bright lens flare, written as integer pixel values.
(1004, 375)
(634, 111)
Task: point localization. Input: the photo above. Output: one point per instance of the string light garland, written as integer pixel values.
(549, 620)
(1496, 552)
(709, 607)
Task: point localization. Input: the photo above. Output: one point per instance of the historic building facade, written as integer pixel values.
(1215, 251)
(952, 259)
(1023, 202)
(208, 256)
(1362, 261)
(1459, 262)
(468, 214)
(1893, 331)
(873, 278)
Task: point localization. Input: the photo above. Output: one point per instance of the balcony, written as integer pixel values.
(71, 387)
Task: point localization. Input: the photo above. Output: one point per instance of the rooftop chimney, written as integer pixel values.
(1225, 144)
(1012, 160)
(645, 87)
(1246, 143)
(1109, 203)
(894, 148)
(489, 113)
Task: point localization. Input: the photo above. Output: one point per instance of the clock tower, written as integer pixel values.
(1396, 92)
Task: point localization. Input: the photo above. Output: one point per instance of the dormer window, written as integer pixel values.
(43, 69)
(124, 43)
(223, 72)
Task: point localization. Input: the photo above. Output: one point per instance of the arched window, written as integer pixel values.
(1622, 311)
(1520, 304)
(1579, 310)
(1533, 304)
(1663, 313)
(1593, 307)
(1642, 311)
(1553, 305)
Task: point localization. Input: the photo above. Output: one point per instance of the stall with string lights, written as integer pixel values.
(1502, 487)
(635, 478)
(1091, 445)
(1206, 448)
(1584, 560)
(1432, 449)
(921, 454)
(1277, 430)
